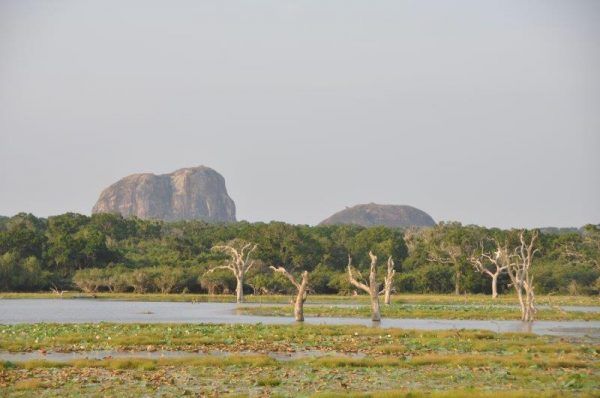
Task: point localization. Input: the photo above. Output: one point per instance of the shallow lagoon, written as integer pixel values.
(89, 310)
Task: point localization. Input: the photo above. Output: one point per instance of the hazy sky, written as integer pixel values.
(486, 112)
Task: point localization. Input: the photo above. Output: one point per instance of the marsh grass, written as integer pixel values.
(268, 382)
(430, 311)
(276, 338)
(468, 393)
(6, 365)
(552, 300)
(454, 361)
(148, 364)
(29, 384)
(405, 363)
(264, 376)
(446, 360)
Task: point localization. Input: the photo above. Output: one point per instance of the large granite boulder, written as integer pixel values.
(195, 193)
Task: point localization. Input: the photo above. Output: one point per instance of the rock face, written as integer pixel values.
(186, 194)
(372, 214)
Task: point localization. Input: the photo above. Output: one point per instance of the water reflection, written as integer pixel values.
(527, 327)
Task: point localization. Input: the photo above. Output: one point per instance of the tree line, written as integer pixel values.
(516, 261)
(106, 252)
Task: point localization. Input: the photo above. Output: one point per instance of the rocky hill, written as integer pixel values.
(372, 214)
(186, 194)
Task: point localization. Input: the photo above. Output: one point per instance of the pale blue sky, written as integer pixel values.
(486, 112)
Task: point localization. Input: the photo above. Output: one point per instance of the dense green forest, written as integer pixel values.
(107, 252)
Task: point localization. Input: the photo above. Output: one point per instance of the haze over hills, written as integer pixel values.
(372, 214)
(186, 194)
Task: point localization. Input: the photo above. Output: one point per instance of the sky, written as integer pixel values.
(480, 111)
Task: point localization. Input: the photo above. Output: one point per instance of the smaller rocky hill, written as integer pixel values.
(369, 215)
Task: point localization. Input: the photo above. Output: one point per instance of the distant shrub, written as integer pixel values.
(218, 281)
(22, 274)
(89, 280)
(141, 280)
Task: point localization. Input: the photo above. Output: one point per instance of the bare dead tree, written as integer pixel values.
(499, 260)
(388, 282)
(372, 289)
(521, 278)
(57, 291)
(239, 263)
(301, 291)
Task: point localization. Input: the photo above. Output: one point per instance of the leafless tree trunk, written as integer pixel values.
(301, 289)
(522, 279)
(239, 263)
(499, 259)
(372, 289)
(495, 285)
(239, 289)
(388, 282)
(57, 291)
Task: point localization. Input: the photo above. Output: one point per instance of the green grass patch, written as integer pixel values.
(29, 384)
(428, 311)
(268, 382)
(427, 374)
(552, 300)
(353, 361)
(278, 338)
(467, 393)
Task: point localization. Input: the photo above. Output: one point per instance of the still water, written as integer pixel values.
(114, 354)
(89, 310)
